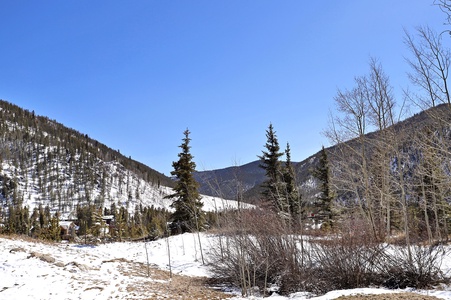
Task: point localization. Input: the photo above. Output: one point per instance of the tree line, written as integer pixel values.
(88, 223)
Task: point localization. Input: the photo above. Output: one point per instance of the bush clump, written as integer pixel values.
(259, 253)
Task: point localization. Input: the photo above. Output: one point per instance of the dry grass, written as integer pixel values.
(161, 286)
(396, 296)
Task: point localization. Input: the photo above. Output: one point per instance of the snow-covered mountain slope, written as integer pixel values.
(115, 185)
(45, 163)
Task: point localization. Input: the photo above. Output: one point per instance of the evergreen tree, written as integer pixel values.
(34, 221)
(291, 190)
(11, 220)
(325, 197)
(54, 232)
(188, 215)
(273, 189)
(120, 222)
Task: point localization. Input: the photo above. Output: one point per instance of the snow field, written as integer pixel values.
(38, 270)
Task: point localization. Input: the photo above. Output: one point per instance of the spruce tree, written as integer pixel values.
(291, 190)
(273, 190)
(188, 214)
(325, 197)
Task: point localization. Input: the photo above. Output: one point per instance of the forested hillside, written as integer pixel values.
(47, 165)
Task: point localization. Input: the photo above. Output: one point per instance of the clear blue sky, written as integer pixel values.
(135, 74)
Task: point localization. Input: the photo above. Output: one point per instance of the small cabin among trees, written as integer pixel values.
(68, 230)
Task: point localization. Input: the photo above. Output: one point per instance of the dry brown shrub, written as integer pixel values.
(256, 250)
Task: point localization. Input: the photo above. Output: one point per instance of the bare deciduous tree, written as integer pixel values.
(350, 161)
(430, 65)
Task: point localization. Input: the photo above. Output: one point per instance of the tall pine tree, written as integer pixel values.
(292, 194)
(325, 197)
(273, 187)
(188, 214)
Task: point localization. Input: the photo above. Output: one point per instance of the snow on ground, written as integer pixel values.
(218, 204)
(37, 270)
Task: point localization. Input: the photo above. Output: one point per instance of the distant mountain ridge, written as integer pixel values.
(243, 182)
(226, 182)
(229, 182)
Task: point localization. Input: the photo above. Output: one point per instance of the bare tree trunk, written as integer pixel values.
(198, 237)
(169, 257)
(425, 210)
(147, 259)
(438, 234)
